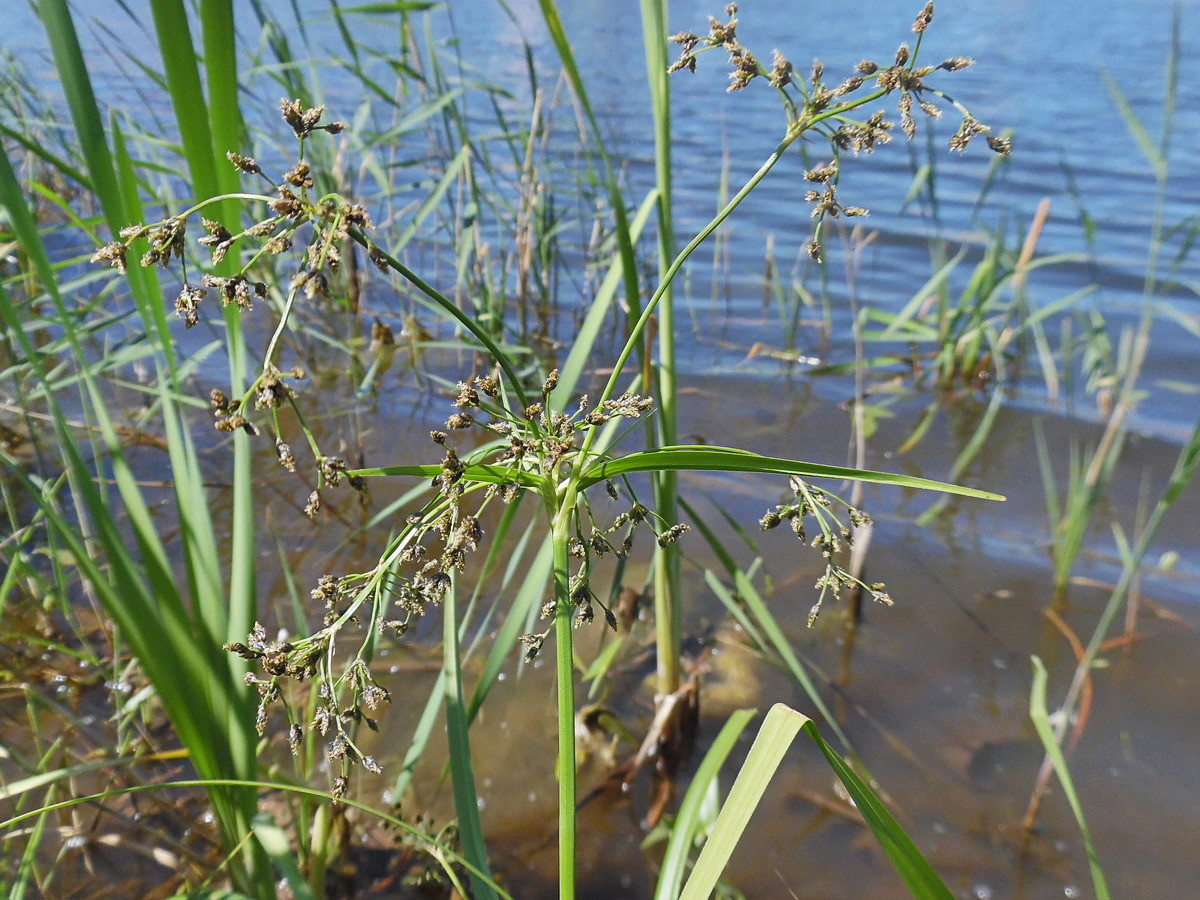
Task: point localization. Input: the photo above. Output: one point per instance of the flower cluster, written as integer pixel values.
(330, 219)
(812, 503)
(814, 104)
(539, 440)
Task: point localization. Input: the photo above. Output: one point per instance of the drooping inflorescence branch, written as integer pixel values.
(814, 104)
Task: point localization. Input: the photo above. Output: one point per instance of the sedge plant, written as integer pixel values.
(535, 437)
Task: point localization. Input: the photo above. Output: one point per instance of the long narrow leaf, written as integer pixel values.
(922, 881)
(687, 823)
(705, 458)
(1041, 723)
(778, 730)
(461, 767)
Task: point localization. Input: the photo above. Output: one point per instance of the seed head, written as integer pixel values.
(303, 120)
(284, 452)
(673, 534)
(954, 63)
(849, 86)
(280, 243)
(907, 125)
(243, 164)
(924, 17)
(781, 70)
(467, 395)
(1003, 146)
(745, 68)
(112, 253)
(533, 644)
(187, 302)
(288, 205)
(299, 175)
(821, 173)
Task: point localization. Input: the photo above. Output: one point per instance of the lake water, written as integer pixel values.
(936, 689)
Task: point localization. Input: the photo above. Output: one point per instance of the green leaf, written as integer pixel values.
(278, 845)
(922, 881)
(688, 822)
(462, 772)
(1041, 722)
(705, 458)
(778, 730)
(483, 474)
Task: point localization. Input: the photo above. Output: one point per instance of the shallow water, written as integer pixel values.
(934, 691)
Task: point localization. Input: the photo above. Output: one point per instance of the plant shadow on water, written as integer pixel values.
(933, 693)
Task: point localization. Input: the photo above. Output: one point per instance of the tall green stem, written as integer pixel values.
(560, 507)
(668, 620)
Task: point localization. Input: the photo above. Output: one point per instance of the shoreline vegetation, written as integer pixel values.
(259, 603)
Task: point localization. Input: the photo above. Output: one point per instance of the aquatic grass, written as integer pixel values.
(541, 455)
(439, 849)
(1183, 473)
(779, 729)
(141, 595)
(1116, 374)
(663, 429)
(199, 688)
(1046, 734)
(687, 827)
(668, 621)
(957, 334)
(557, 471)
(1112, 372)
(460, 756)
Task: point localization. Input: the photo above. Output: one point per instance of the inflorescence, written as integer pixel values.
(810, 503)
(813, 103)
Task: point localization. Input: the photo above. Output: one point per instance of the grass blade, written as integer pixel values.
(922, 881)
(774, 738)
(707, 458)
(462, 772)
(687, 823)
(1041, 722)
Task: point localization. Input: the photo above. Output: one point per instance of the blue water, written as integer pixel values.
(1042, 70)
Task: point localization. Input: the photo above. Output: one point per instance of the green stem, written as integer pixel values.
(794, 131)
(668, 620)
(560, 508)
(449, 308)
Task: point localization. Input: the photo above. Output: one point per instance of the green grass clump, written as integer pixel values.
(523, 445)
